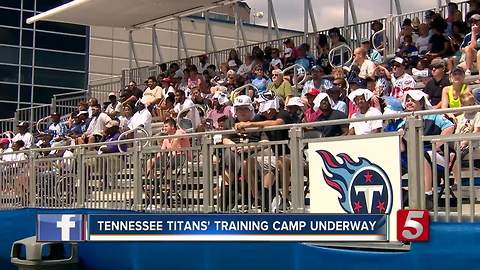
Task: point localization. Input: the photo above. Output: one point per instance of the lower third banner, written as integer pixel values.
(245, 227)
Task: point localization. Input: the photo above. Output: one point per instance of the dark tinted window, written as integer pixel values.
(8, 73)
(27, 38)
(9, 17)
(44, 5)
(45, 94)
(7, 110)
(26, 15)
(9, 55)
(26, 75)
(60, 42)
(28, 4)
(59, 78)
(11, 3)
(8, 92)
(60, 60)
(26, 56)
(9, 36)
(62, 27)
(25, 93)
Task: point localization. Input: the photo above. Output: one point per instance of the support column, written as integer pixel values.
(269, 18)
(181, 39)
(398, 7)
(154, 44)
(345, 20)
(237, 27)
(305, 20)
(354, 19)
(312, 16)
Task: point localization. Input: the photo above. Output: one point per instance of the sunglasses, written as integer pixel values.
(437, 67)
(337, 84)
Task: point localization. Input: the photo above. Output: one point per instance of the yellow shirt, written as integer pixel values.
(282, 91)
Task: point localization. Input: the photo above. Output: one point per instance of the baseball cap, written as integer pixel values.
(54, 114)
(22, 124)
(475, 17)
(398, 60)
(167, 80)
(222, 97)
(111, 94)
(438, 62)
(242, 100)
(316, 68)
(112, 123)
(269, 104)
(313, 91)
(295, 101)
(365, 40)
(4, 141)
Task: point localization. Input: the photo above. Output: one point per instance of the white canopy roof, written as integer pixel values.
(125, 13)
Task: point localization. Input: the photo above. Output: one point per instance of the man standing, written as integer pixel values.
(401, 81)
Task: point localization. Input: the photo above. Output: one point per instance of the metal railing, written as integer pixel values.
(211, 176)
(100, 91)
(68, 102)
(7, 124)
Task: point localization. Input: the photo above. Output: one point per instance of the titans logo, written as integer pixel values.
(363, 187)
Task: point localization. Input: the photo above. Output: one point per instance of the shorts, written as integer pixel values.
(266, 159)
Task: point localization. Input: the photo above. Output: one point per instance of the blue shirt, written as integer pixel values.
(468, 38)
(261, 84)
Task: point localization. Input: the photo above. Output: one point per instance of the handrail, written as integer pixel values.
(125, 133)
(237, 90)
(330, 55)
(70, 93)
(295, 68)
(37, 125)
(179, 117)
(384, 40)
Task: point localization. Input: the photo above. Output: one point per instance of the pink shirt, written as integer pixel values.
(311, 116)
(215, 115)
(184, 142)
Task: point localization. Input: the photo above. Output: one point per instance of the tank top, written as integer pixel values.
(455, 102)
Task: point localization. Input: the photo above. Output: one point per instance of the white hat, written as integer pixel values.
(318, 99)
(232, 63)
(222, 97)
(295, 101)
(417, 95)
(360, 92)
(242, 100)
(269, 104)
(398, 60)
(276, 62)
(111, 94)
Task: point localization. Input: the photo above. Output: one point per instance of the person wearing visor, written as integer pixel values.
(361, 97)
(452, 94)
(433, 124)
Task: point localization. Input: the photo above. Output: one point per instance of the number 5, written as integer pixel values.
(413, 224)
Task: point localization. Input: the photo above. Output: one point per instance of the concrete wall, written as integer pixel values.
(109, 46)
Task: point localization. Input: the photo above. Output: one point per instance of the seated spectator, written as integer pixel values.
(124, 118)
(303, 59)
(371, 54)
(422, 43)
(176, 73)
(438, 44)
(408, 52)
(260, 81)
(57, 128)
(141, 119)
(276, 63)
(322, 54)
(439, 81)
(375, 101)
(311, 114)
(91, 103)
(383, 85)
(10, 154)
(195, 80)
(23, 135)
(114, 108)
(339, 56)
(111, 134)
(95, 129)
(295, 108)
(401, 81)
(367, 67)
(4, 143)
(470, 46)
(281, 87)
(317, 81)
(200, 101)
(220, 109)
(79, 125)
(337, 104)
(153, 94)
(203, 59)
(377, 42)
(324, 104)
(186, 105)
(232, 82)
(245, 69)
(407, 30)
(362, 97)
(452, 94)
(290, 53)
(233, 61)
(433, 124)
(131, 94)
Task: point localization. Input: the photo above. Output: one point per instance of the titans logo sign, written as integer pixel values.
(363, 187)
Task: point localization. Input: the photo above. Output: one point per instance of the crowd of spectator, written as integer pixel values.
(438, 55)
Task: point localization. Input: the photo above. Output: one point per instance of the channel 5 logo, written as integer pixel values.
(413, 225)
(60, 227)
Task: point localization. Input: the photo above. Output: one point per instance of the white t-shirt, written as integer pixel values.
(192, 114)
(401, 85)
(27, 138)
(150, 95)
(367, 69)
(422, 43)
(143, 117)
(13, 156)
(367, 126)
(110, 109)
(97, 125)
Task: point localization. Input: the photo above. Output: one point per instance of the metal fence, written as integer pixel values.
(211, 176)
(100, 90)
(68, 102)
(7, 124)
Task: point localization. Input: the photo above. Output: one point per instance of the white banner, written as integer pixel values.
(357, 176)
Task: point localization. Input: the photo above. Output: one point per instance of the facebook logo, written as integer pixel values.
(60, 227)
